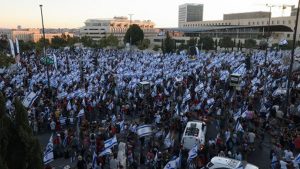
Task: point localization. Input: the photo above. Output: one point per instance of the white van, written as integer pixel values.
(228, 163)
(194, 133)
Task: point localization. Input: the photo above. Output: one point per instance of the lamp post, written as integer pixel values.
(44, 44)
(287, 104)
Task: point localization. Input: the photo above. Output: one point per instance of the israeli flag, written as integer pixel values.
(111, 106)
(193, 153)
(187, 108)
(48, 154)
(174, 163)
(81, 113)
(144, 130)
(94, 164)
(283, 42)
(69, 106)
(29, 99)
(122, 125)
(168, 142)
(239, 127)
(62, 120)
(105, 152)
(110, 142)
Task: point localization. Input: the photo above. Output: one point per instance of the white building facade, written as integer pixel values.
(99, 28)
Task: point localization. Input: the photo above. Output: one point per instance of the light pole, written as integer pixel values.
(130, 16)
(287, 104)
(44, 44)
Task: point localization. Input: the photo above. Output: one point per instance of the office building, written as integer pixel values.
(117, 26)
(246, 15)
(190, 12)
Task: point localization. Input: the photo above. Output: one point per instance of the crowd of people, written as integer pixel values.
(97, 95)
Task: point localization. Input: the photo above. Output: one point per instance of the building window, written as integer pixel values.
(257, 23)
(288, 35)
(262, 22)
(277, 22)
(290, 22)
(272, 22)
(253, 23)
(283, 22)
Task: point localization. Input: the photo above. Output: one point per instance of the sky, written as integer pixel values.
(164, 13)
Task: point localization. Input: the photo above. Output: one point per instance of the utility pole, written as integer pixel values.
(287, 104)
(44, 43)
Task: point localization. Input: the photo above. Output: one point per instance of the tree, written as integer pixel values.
(144, 44)
(207, 43)
(226, 42)
(26, 46)
(58, 42)
(40, 44)
(250, 43)
(87, 41)
(156, 47)
(168, 44)
(5, 60)
(192, 42)
(134, 35)
(112, 41)
(263, 45)
(4, 46)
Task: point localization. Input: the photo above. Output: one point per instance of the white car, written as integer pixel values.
(228, 163)
(194, 133)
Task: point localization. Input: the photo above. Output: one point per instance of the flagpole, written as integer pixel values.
(287, 101)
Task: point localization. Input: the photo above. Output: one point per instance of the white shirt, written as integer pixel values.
(288, 155)
(283, 164)
(251, 136)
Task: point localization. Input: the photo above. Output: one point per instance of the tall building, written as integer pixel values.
(98, 28)
(293, 10)
(190, 12)
(246, 15)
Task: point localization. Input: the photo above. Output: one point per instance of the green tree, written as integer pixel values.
(40, 45)
(144, 44)
(206, 42)
(168, 44)
(5, 60)
(134, 35)
(250, 43)
(192, 42)
(4, 46)
(26, 46)
(226, 42)
(263, 45)
(87, 41)
(156, 47)
(58, 42)
(112, 41)
(182, 46)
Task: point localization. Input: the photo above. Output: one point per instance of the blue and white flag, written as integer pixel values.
(283, 42)
(144, 130)
(111, 105)
(105, 152)
(239, 127)
(48, 153)
(168, 141)
(175, 163)
(193, 153)
(17, 46)
(110, 142)
(94, 164)
(29, 99)
(81, 113)
(62, 120)
(12, 49)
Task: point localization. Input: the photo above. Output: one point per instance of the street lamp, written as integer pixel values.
(44, 44)
(291, 64)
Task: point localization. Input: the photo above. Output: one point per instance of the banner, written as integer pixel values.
(12, 49)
